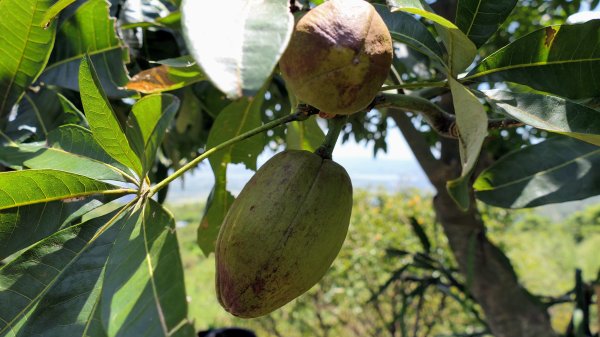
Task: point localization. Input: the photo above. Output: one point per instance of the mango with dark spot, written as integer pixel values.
(282, 232)
(338, 57)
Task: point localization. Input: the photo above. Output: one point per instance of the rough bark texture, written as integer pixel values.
(510, 310)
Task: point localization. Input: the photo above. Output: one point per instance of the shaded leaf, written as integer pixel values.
(24, 48)
(170, 75)
(102, 119)
(461, 51)
(21, 188)
(217, 205)
(143, 293)
(21, 227)
(480, 19)
(305, 135)
(148, 122)
(562, 59)
(89, 31)
(570, 170)
(418, 230)
(549, 113)
(471, 121)
(237, 43)
(52, 287)
(406, 29)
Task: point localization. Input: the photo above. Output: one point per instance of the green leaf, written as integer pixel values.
(237, 43)
(461, 51)
(148, 123)
(102, 119)
(53, 286)
(557, 170)
(21, 188)
(89, 31)
(480, 19)
(41, 157)
(24, 48)
(143, 293)
(406, 29)
(217, 205)
(170, 75)
(21, 227)
(471, 121)
(549, 113)
(306, 135)
(238, 117)
(562, 59)
(53, 12)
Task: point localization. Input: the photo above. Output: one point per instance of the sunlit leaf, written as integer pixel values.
(562, 59)
(53, 286)
(102, 119)
(461, 51)
(471, 121)
(143, 293)
(21, 188)
(237, 43)
(149, 120)
(305, 135)
(550, 113)
(53, 12)
(480, 19)
(21, 227)
(557, 170)
(24, 48)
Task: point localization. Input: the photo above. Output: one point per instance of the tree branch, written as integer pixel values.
(441, 121)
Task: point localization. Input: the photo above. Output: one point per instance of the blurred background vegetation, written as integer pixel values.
(396, 276)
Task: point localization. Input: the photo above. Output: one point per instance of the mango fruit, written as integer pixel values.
(338, 57)
(282, 233)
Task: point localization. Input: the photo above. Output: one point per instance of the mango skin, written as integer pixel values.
(338, 57)
(282, 232)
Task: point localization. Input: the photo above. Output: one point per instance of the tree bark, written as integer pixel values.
(510, 310)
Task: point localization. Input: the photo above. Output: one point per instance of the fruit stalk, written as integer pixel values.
(326, 149)
(301, 114)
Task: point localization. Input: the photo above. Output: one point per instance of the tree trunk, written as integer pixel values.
(510, 310)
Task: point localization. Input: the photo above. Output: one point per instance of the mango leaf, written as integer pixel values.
(143, 293)
(549, 113)
(21, 227)
(217, 205)
(562, 59)
(24, 48)
(148, 122)
(406, 29)
(237, 43)
(53, 12)
(238, 117)
(480, 19)
(102, 119)
(557, 170)
(38, 113)
(170, 75)
(461, 51)
(471, 121)
(53, 286)
(89, 31)
(306, 135)
(21, 188)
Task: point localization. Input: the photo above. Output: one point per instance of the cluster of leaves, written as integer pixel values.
(76, 136)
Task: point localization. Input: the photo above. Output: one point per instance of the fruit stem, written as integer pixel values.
(302, 113)
(326, 149)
